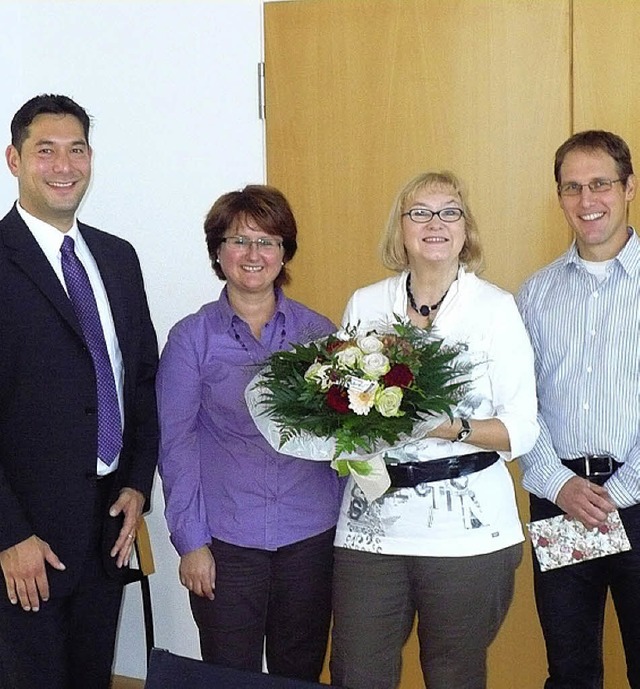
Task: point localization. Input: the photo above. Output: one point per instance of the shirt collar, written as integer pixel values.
(227, 314)
(628, 258)
(48, 237)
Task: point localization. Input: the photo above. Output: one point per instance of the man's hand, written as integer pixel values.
(585, 501)
(198, 572)
(25, 574)
(130, 503)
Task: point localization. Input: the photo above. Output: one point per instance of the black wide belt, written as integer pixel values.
(410, 474)
(596, 468)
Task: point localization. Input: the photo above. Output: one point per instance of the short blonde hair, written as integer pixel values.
(392, 251)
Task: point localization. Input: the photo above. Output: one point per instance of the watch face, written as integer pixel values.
(465, 431)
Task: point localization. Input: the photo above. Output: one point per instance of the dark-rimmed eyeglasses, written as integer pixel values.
(424, 215)
(598, 186)
(264, 245)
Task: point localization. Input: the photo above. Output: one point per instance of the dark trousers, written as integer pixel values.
(276, 601)
(571, 603)
(460, 601)
(69, 643)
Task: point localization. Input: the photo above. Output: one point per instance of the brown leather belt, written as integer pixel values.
(410, 474)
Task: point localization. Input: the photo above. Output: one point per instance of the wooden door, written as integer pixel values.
(606, 92)
(363, 94)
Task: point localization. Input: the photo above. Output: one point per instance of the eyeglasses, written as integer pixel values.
(424, 215)
(265, 245)
(598, 186)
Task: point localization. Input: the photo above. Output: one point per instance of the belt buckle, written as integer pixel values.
(587, 465)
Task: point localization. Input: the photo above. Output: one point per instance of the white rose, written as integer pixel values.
(370, 344)
(375, 365)
(318, 373)
(388, 401)
(349, 357)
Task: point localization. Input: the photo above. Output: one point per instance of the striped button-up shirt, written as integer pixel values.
(586, 339)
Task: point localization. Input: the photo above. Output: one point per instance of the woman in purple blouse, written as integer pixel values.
(254, 528)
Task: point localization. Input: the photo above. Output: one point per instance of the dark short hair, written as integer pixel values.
(45, 104)
(597, 140)
(266, 207)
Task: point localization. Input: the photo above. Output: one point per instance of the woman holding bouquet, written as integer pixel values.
(254, 528)
(446, 540)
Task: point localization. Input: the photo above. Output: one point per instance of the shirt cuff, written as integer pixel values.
(619, 493)
(555, 482)
(191, 538)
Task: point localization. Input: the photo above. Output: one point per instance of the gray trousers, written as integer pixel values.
(460, 602)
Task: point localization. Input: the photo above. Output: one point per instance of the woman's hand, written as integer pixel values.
(197, 572)
(489, 434)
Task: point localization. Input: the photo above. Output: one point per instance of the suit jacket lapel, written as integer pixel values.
(23, 250)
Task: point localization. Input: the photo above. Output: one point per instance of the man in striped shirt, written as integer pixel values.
(582, 313)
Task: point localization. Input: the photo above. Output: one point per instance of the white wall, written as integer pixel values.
(172, 88)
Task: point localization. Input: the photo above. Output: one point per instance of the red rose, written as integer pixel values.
(337, 399)
(543, 542)
(337, 345)
(603, 528)
(333, 345)
(577, 555)
(400, 375)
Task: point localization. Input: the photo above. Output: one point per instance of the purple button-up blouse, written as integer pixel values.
(220, 476)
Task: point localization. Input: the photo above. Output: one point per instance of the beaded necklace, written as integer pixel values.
(240, 341)
(425, 310)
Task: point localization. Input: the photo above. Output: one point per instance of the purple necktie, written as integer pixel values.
(84, 304)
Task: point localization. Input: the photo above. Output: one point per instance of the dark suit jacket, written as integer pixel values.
(48, 420)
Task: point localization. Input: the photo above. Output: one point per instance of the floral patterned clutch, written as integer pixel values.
(560, 541)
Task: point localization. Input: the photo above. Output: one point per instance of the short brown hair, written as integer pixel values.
(269, 210)
(392, 251)
(597, 140)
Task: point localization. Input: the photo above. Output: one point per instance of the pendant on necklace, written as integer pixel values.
(424, 310)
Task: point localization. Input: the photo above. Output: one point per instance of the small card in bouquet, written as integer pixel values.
(560, 541)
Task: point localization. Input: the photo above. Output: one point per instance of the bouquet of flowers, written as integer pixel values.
(364, 390)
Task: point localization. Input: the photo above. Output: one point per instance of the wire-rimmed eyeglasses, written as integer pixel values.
(598, 186)
(424, 215)
(264, 245)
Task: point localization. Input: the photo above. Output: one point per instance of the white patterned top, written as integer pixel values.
(473, 514)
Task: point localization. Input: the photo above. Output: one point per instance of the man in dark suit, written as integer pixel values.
(67, 514)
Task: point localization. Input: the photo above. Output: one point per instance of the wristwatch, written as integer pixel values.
(465, 431)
